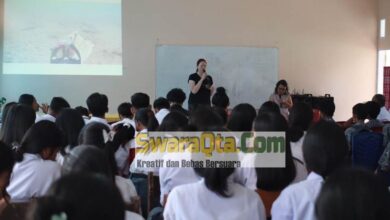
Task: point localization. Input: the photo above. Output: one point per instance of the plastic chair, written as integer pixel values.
(367, 147)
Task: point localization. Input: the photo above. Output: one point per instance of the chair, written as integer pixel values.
(377, 129)
(367, 147)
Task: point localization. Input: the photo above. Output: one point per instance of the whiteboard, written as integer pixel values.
(248, 74)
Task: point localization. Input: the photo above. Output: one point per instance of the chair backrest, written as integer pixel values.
(377, 129)
(367, 147)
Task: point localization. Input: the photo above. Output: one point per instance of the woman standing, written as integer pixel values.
(282, 97)
(201, 86)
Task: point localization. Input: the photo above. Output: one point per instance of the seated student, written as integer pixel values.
(327, 109)
(29, 100)
(35, 169)
(96, 134)
(359, 114)
(125, 115)
(222, 114)
(124, 134)
(384, 114)
(220, 99)
(139, 100)
(21, 115)
(373, 110)
(70, 123)
(269, 106)
(176, 98)
(83, 112)
(215, 196)
(324, 151)
(161, 108)
(7, 162)
(353, 194)
(98, 106)
(5, 111)
(55, 107)
(241, 117)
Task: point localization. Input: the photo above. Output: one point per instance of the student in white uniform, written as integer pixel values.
(216, 196)
(384, 114)
(176, 98)
(57, 104)
(7, 162)
(327, 109)
(70, 123)
(83, 112)
(161, 108)
(124, 134)
(282, 97)
(98, 106)
(125, 115)
(325, 149)
(96, 134)
(36, 169)
(139, 100)
(29, 100)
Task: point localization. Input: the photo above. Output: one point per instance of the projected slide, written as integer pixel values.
(63, 37)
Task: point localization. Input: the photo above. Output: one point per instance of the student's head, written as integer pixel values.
(94, 133)
(220, 98)
(97, 104)
(123, 134)
(174, 121)
(43, 138)
(145, 119)
(299, 120)
(373, 110)
(201, 65)
(353, 194)
(6, 108)
(57, 104)
(82, 110)
(19, 119)
(160, 103)
(124, 110)
(325, 148)
(327, 108)
(7, 162)
(281, 87)
(241, 118)
(70, 123)
(139, 100)
(176, 96)
(80, 196)
(222, 114)
(204, 117)
(29, 100)
(269, 106)
(379, 99)
(359, 112)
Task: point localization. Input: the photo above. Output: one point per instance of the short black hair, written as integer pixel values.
(325, 148)
(373, 109)
(380, 99)
(222, 113)
(97, 104)
(161, 103)
(204, 117)
(220, 98)
(353, 194)
(140, 100)
(299, 119)
(360, 111)
(176, 96)
(174, 121)
(7, 160)
(92, 134)
(26, 99)
(58, 103)
(327, 107)
(269, 106)
(146, 117)
(82, 110)
(124, 109)
(241, 117)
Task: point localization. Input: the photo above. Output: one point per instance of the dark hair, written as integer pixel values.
(43, 134)
(269, 106)
(176, 96)
(174, 121)
(379, 99)
(161, 103)
(275, 179)
(124, 109)
(216, 179)
(199, 61)
(327, 107)
(97, 104)
(146, 117)
(81, 196)
(92, 134)
(222, 113)
(299, 120)
(204, 117)
(6, 109)
(123, 134)
(353, 194)
(7, 159)
(19, 119)
(57, 104)
(325, 148)
(241, 118)
(26, 99)
(373, 109)
(82, 110)
(70, 123)
(281, 83)
(220, 99)
(140, 100)
(360, 111)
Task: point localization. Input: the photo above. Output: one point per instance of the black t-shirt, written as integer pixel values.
(203, 95)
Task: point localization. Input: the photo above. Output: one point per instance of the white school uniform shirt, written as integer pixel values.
(126, 188)
(99, 120)
(32, 177)
(195, 201)
(144, 170)
(124, 121)
(133, 216)
(296, 148)
(160, 115)
(297, 201)
(384, 115)
(46, 117)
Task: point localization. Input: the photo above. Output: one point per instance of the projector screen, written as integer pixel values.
(63, 37)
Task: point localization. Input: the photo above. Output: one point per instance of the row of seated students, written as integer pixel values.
(75, 167)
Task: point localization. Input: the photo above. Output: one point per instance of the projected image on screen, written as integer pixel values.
(63, 37)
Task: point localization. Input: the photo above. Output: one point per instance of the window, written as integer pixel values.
(383, 28)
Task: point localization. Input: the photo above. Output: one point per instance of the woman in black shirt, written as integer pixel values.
(201, 86)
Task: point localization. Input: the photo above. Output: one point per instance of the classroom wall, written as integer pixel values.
(384, 13)
(325, 46)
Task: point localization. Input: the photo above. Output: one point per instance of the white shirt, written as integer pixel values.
(99, 120)
(196, 201)
(296, 148)
(384, 115)
(46, 117)
(124, 121)
(246, 176)
(126, 188)
(160, 115)
(297, 201)
(301, 171)
(133, 216)
(32, 177)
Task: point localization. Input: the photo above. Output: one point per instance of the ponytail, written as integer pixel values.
(123, 134)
